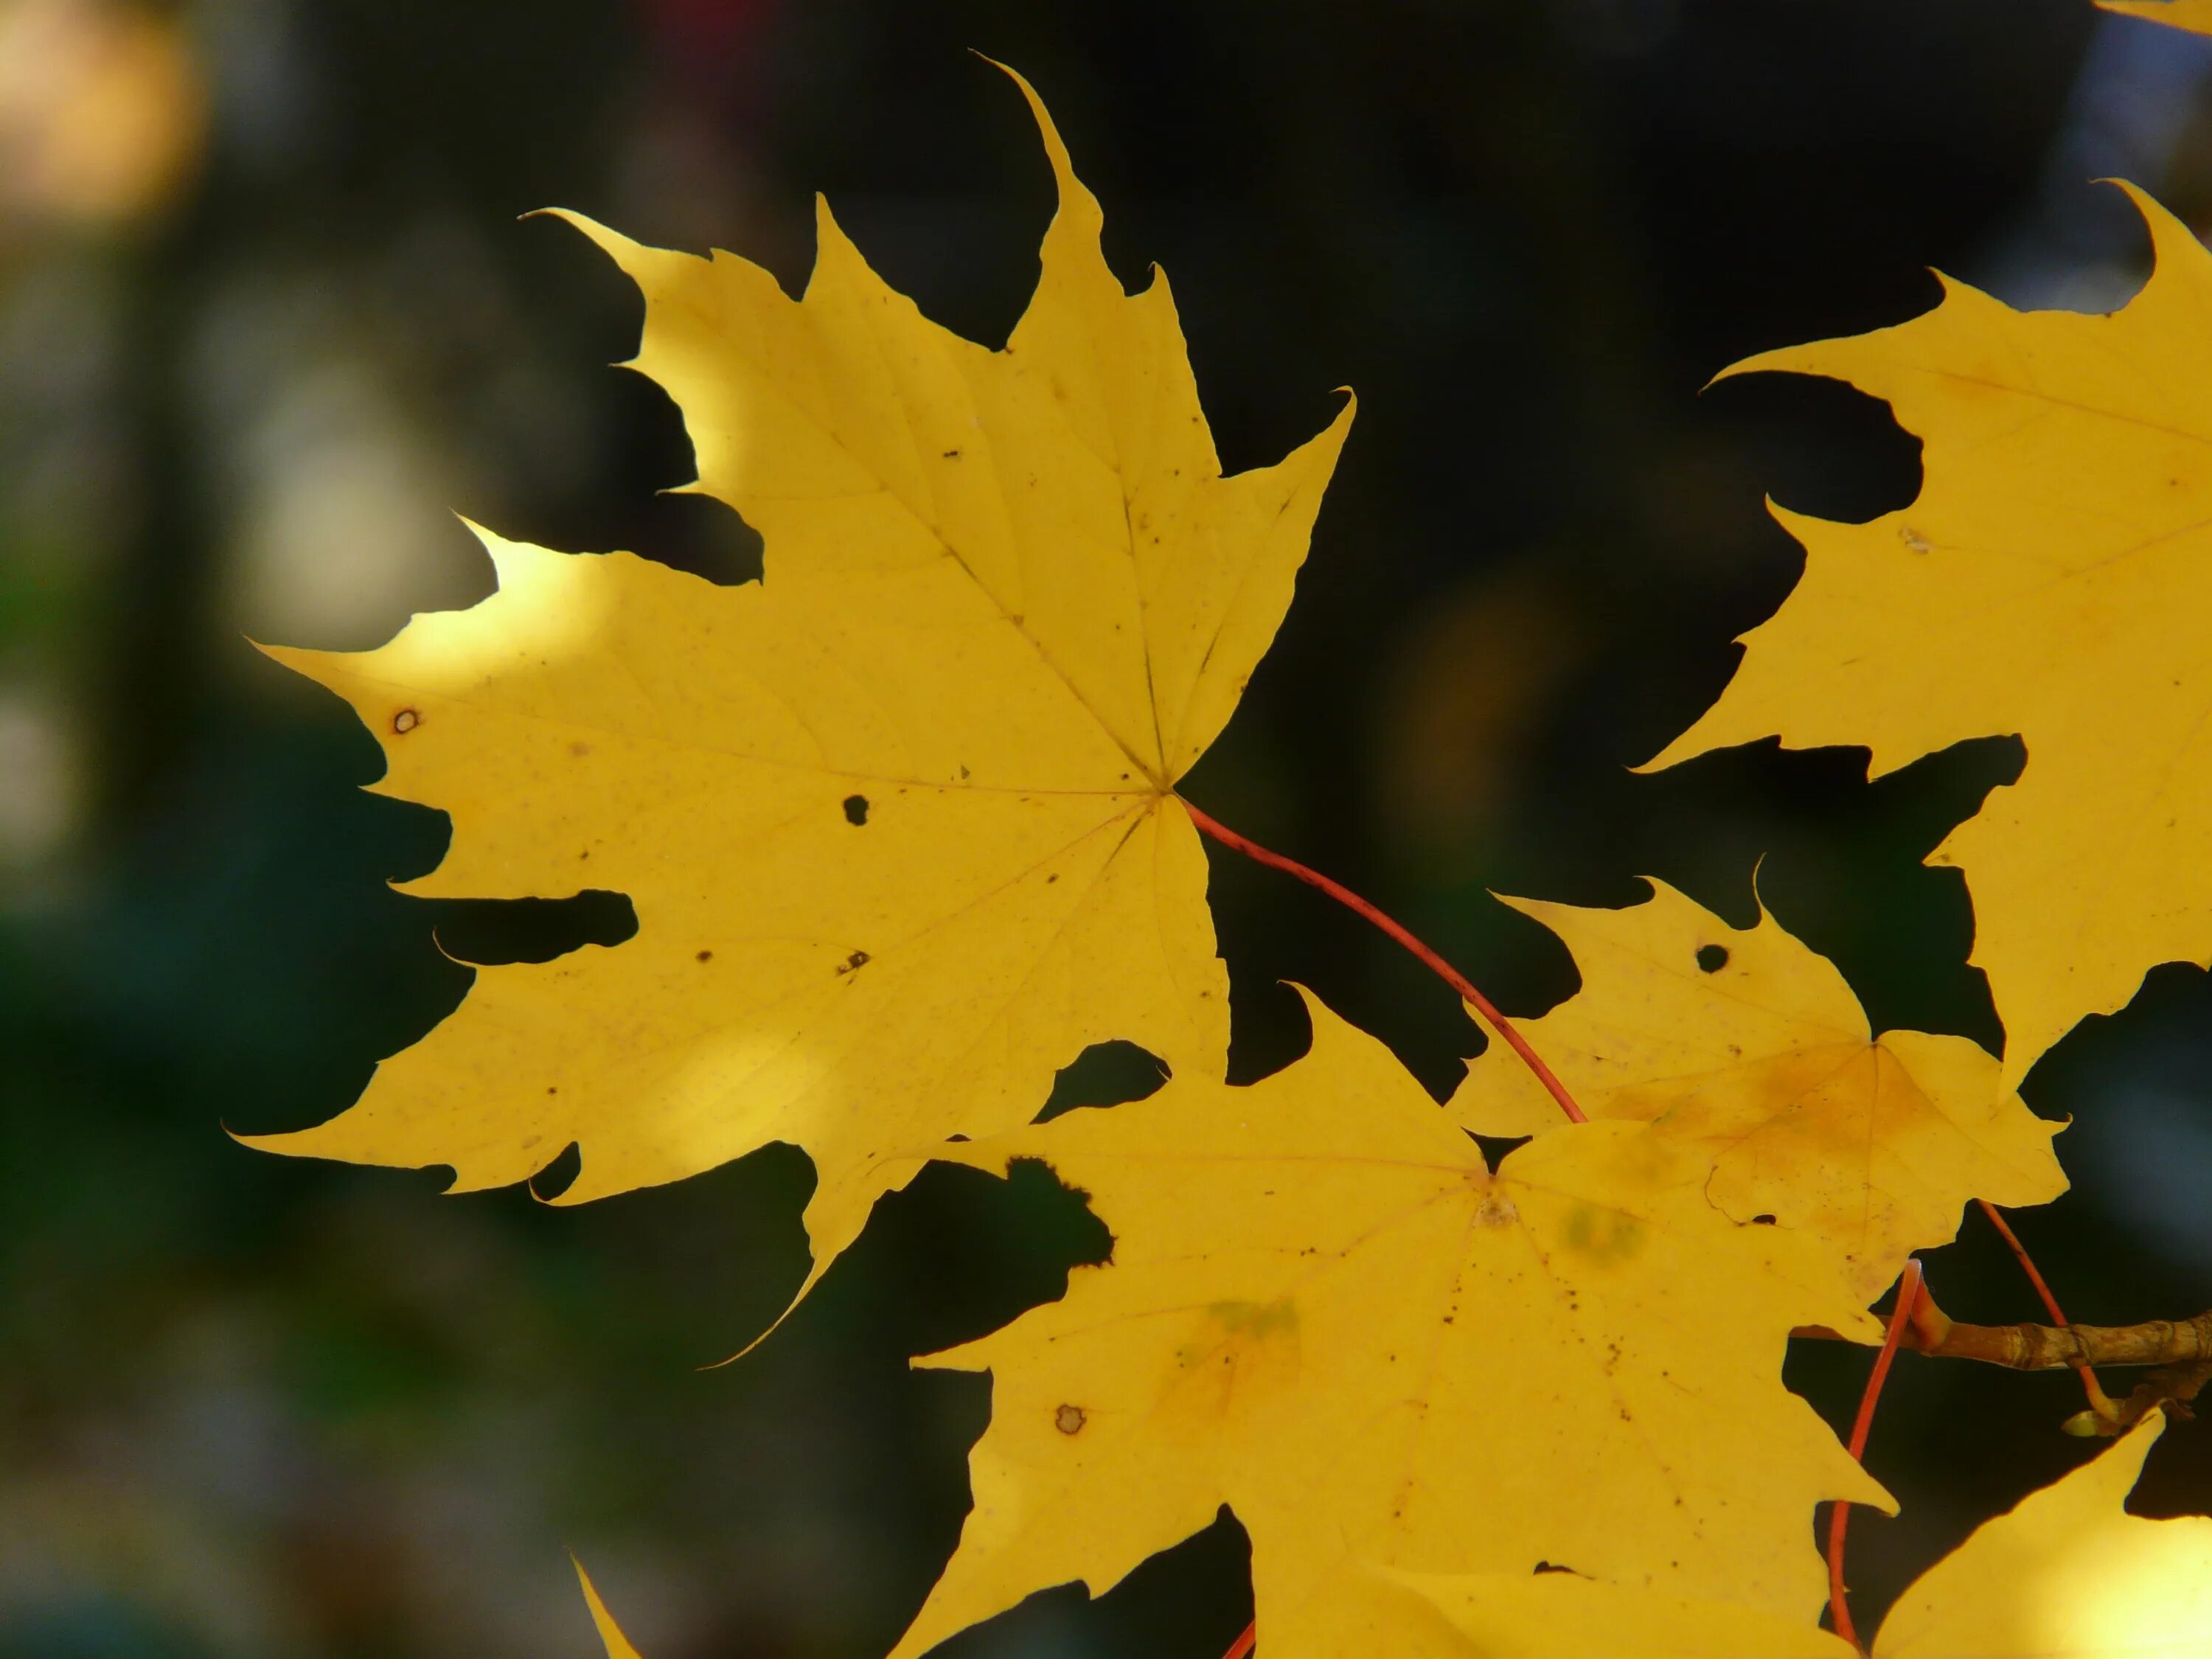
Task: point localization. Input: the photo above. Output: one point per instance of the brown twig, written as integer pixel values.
(2181, 1348)
(2046, 1347)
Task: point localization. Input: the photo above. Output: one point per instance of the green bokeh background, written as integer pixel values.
(251, 1406)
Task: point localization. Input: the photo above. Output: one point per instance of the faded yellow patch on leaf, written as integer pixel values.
(1749, 1051)
(2053, 580)
(1325, 1311)
(896, 820)
(2068, 1571)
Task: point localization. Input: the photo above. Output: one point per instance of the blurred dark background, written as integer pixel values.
(268, 318)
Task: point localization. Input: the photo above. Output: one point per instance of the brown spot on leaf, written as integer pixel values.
(1069, 1420)
(858, 960)
(705, 955)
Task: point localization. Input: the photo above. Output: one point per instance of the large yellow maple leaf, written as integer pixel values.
(1324, 1311)
(2067, 1574)
(2053, 580)
(897, 820)
(1749, 1051)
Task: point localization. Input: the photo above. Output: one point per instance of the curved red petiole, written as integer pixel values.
(2100, 1401)
(1436, 964)
(1908, 1295)
(1243, 1644)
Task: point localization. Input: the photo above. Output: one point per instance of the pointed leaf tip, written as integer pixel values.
(617, 1644)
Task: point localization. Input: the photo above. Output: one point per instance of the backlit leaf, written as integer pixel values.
(1326, 1312)
(1749, 1052)
(897, 820)
(2068, 1574)
(2052, 579)
(1563, 1615)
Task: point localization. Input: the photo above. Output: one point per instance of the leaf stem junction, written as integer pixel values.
(1436, 964)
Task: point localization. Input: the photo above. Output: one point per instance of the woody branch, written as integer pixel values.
(2046, 1347)
(2181, 1349)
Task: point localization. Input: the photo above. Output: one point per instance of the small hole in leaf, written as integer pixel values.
(1712, 957)
(557, 1178)
(490, 931)
(1762, 1221)
(1546, 1566)
(856, 808)
(405, 721)
(1104, 1075)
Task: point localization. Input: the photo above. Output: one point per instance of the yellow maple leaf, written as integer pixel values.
(1563, 1615)
(1747, 1050)
(2195, 15)
(1324, 1311)
(2068, 1574)
(2052, 579)
(897, 820)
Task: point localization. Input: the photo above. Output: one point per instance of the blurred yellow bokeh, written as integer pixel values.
(103, 111)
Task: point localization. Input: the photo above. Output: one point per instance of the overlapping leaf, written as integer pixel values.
(2052, 579)
(1325, 1311)
(1748, 1051)
(2067, 1573)
(896, 820)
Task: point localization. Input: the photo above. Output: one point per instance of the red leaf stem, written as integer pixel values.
(1908, 1295)
(1243, 1644)
(1436, 964)
(2100, 1401)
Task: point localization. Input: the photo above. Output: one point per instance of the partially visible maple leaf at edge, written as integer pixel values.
(2053, 580)
(2195, 15)
(896, 820)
